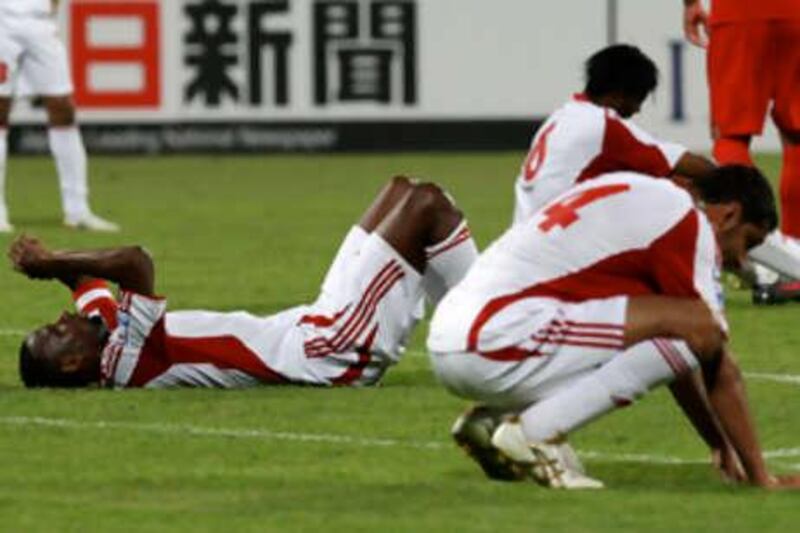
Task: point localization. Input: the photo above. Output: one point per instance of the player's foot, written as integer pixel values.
(541, 462)
(780, 292)
(5, 226)
(472, 432)
(91, 222)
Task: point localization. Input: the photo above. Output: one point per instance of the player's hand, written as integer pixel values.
(727, 463)
(29, 256)
(786, 482)
(695, 24)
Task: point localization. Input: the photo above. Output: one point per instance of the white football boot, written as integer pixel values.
(90, 221)
(551, 465)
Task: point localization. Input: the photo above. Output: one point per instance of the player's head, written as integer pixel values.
(741, 207)
(63, 354)
(621, 77)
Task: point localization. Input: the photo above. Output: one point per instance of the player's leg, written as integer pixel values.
(390, 196)
(66, 145)
(387, 199)
(5, 108)
(781, 250)
(732, 150)
(10, 52)
(47, 74)
(431, 233)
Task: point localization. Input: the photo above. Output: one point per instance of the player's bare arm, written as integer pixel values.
(131, 267)
(728, 397)
(689, 319)
(690, 393)
(695, 22)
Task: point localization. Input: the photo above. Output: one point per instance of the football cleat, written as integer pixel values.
(90, 221)
(546, 464)
(473, 431)
(776, 293)
(5, 226)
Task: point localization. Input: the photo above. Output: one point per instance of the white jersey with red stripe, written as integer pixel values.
(623, 234)
(580, 141)
(349, 336)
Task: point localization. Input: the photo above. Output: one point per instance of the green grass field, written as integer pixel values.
(257, 233)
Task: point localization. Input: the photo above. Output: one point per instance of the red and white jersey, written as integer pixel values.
(26, 7)
(623, 234)
(352, 333)
(580, 141)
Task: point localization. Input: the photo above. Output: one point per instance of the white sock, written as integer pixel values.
(618, 383)
(779, 253)
(66, 145)
(448, 262)
(3, 159)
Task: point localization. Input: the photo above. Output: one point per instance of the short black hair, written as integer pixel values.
(745, 185)
(620, 68)
(30, 369)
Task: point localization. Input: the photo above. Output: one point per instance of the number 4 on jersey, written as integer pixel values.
(565, 212)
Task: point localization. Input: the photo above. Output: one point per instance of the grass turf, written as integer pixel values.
(257, 233)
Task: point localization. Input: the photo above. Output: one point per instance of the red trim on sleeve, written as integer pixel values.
(87, 286)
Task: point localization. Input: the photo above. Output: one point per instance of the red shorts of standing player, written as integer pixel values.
(754, 69)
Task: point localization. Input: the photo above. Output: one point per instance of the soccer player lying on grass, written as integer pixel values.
(412, 240)
(608, 291)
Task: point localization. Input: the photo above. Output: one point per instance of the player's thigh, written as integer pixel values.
(581, 338)
(45, 65)
(786, 66)
(739, 77)
(10, 54)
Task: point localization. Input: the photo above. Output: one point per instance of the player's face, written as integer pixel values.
(72, 339)
(736, 243)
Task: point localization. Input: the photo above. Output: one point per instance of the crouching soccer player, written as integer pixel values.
(412, 240)
(574, 313)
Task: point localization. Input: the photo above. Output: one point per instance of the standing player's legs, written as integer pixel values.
(5, 108)
(10, 52)
(786, 115)
(744, 69)
(47, 74)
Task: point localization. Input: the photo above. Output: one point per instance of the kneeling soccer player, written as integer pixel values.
(412, 240)
(608, 291)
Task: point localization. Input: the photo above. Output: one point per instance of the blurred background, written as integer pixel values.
(162, 76)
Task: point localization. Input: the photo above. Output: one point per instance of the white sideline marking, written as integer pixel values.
(12, 333)
(265, 434)
(777, 378)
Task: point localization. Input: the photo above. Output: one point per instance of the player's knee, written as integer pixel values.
(430, 196)
(60, 110)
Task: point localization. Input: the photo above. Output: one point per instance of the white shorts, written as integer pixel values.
(579, 339)
(33, 60)
(366, 310)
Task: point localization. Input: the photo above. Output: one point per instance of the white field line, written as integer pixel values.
(12, 332)
(348, 440)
